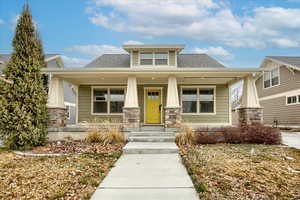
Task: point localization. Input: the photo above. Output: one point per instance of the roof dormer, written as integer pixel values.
(153, 55)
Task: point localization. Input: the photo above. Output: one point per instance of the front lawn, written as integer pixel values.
(73, 176)
(243, 171)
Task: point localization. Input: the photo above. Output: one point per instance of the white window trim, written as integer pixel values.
(108, 100)
(271, 86)
(153, 58)
(198, 107)
(290, 104)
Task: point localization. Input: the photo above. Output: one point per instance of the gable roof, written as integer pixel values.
(183, 61)
(288, 60)
(4, 59)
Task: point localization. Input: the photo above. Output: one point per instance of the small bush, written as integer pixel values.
(113, 136)
(93, 136)
(186, 137)
(255, 133)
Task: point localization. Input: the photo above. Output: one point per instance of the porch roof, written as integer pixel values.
(86, 76)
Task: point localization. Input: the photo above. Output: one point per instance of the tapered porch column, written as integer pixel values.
(172, 109)
(131, 110)
(56, 106)
(250, 110)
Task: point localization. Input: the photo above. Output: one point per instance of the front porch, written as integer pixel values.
(170, 98)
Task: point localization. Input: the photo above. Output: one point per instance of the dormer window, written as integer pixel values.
(146, 58)
(154, 58)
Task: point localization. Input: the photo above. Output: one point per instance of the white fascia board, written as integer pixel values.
(283, 63)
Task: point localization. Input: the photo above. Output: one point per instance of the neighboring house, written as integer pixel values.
(154, 85)
(52, 61)
(279, 90)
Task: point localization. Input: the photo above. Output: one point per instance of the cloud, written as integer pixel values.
(219, 52)
(133, 42)
(1, 21)
(95, 50)
(74, 62)
(203, 20)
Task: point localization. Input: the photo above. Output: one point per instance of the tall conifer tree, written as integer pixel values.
(24, 116)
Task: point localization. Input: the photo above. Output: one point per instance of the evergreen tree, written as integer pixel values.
(23, 113)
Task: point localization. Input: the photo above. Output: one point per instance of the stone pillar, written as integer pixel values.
(55, 105)
(131, 110)
(172, 109)
(250, 110)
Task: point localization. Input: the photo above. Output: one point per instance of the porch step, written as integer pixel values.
(151, 133)
(152, 139)
(152, 128)
(150, 148)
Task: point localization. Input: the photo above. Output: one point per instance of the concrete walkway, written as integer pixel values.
(147, 177)
(291, 139)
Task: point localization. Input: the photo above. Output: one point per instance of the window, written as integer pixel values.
(146, 58)
(198, 100)
(293, 99)
(108, 100)
(154, 58)
(161, 58)
(271, 78)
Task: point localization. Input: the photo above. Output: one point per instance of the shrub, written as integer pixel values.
(186, 137)
(93, 136)
(255, 133)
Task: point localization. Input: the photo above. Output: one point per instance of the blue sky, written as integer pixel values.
(237, 33)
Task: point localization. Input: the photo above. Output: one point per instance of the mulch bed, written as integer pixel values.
(226, 171)
(73, 176)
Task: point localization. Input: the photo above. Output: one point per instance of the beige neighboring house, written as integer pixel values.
(155, 85)
(279, 90)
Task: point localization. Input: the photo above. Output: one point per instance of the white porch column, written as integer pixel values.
(131, 110)
(249, 97)
(131, 100)
(56, 93)
(172, 95)
(250, 110)
(56, 105)
(172, 109)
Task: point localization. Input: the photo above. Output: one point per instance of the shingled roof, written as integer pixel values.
(290, 60)
(184, 61)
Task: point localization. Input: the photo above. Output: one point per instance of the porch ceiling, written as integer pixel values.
(152, 76)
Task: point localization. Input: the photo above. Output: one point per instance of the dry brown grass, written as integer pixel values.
(186, 137)
(106, 133)
(244, 171)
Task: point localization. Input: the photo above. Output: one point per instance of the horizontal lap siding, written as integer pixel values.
(84, 108)
(222, 109)
(276, 109)
(288, 81)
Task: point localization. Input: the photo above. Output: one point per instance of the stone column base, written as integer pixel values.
(173, 118)
(57, 117)
(131, 119)
(247, 116)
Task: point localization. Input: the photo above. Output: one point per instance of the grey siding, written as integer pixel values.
(276, 109)
(84, 108)
(288, 81)
(222, 109)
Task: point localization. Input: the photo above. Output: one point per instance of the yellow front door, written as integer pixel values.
(153, 106)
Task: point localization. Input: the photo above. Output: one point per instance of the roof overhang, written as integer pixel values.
(279, 62)
(119, 75)
(134, 47)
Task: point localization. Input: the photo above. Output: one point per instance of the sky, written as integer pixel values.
(238, 33)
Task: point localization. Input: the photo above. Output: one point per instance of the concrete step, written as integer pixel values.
(152, 139)
(150, 133)
(152, 128)
(150, 148)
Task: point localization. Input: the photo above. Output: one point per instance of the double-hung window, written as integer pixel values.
(108, 100)
(146, 58)
(295, 99)
(154, 58)
(198, 100)
(271, 78)
(161, 58)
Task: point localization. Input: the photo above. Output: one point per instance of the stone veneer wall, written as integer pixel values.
(248, 116)
(131, 118)
(173, 118)
(57, 117)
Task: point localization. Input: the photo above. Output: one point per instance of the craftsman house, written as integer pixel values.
(279, 90)
(155, 85)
